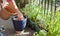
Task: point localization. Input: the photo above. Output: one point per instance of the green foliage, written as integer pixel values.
(53, 25)
(34, 11)
(41, 33)
(31, 12)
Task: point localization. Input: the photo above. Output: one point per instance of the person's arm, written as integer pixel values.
(19, 14)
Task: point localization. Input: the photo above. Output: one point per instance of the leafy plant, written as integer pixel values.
(41, 33)
(50, 21)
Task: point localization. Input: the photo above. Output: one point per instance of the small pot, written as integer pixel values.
(19, 25)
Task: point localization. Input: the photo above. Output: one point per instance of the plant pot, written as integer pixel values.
(4, 14)
(19, 25)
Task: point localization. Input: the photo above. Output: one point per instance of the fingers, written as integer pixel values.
(20, 17)
(4, 4)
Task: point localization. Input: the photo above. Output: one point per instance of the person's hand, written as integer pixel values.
(19, 16)
(9, 7)
(4, 5)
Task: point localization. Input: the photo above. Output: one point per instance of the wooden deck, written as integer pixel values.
(9, 29)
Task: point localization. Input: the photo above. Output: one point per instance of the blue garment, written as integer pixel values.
(1, 34)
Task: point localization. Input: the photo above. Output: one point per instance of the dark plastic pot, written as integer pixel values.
(20, 25)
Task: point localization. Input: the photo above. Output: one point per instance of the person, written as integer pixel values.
(10, 8)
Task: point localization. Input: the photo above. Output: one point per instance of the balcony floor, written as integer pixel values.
(9, 29)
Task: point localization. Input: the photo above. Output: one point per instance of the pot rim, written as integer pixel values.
(25, 18)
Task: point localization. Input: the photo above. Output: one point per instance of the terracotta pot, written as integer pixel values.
(4, 14)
